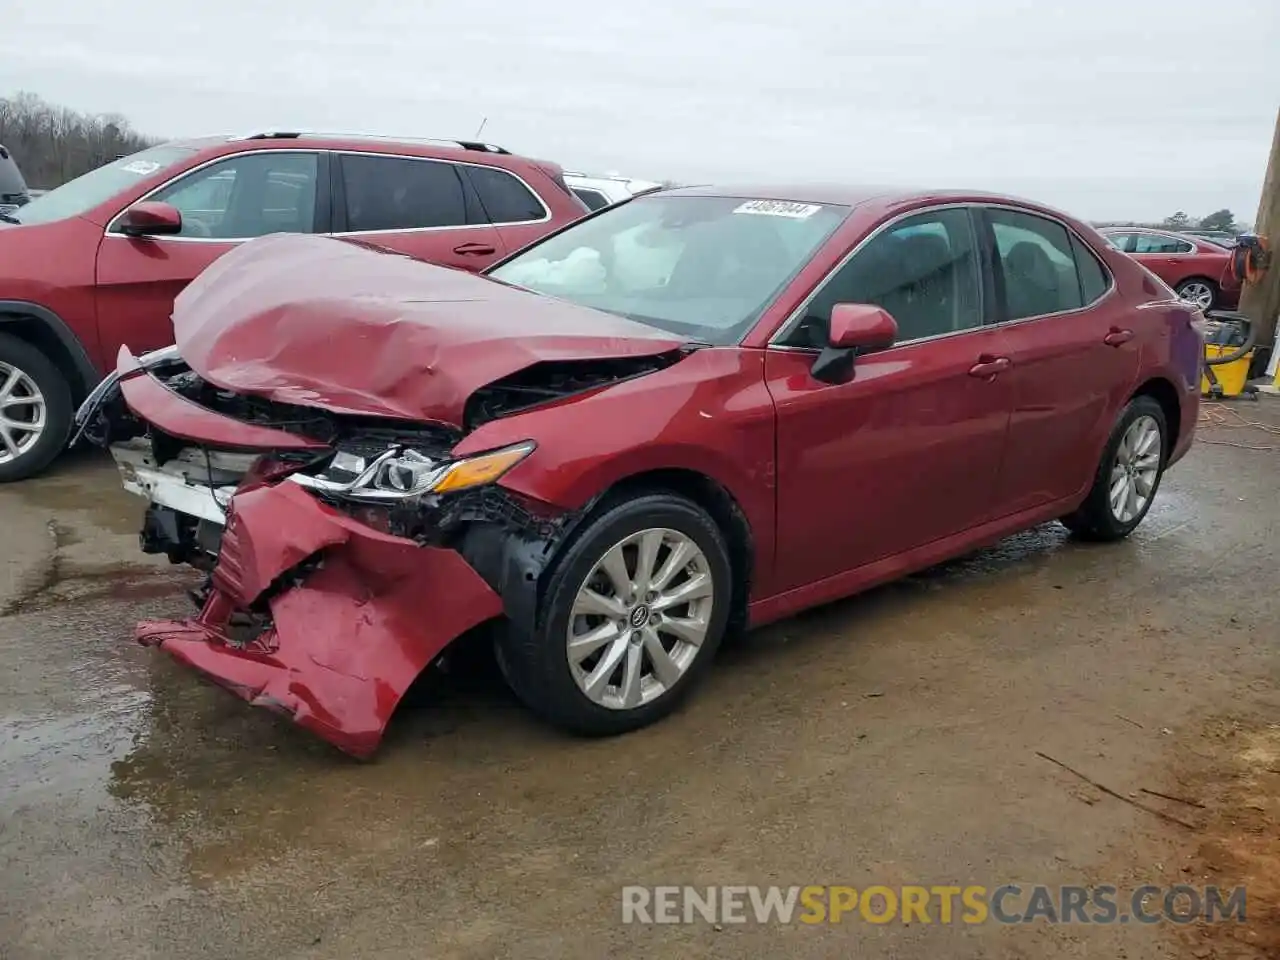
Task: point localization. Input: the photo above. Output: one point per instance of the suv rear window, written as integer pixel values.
(504, 198)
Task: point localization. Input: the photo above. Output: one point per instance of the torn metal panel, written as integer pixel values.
(178, 417)
(349, 615)
(319, 322)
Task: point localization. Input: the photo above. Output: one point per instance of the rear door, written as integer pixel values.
(1169, 258)
(509, 203)
(420, 206)
(223, 204)
(1074, 351)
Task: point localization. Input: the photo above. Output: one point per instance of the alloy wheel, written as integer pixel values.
(1136, 469)
(1197, 293)
(640, 618)
(23, 413)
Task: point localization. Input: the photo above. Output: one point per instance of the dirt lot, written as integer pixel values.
(890, 739)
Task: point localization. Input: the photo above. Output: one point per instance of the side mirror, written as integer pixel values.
(151, 219)
(855, 328)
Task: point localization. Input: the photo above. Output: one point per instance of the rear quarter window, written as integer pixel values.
(504, 197)
(1094, 280)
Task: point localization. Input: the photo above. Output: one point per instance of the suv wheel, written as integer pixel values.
(632, 615)
(35, 410)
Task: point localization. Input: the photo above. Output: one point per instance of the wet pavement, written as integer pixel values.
(891, 738)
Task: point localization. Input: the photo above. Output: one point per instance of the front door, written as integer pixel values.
(222, 205)
(910, 450)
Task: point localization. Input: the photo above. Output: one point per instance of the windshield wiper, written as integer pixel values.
(10, 218)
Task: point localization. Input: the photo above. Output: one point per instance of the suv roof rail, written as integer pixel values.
(297, 134)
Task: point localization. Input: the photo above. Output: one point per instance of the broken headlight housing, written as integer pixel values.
(402, 473)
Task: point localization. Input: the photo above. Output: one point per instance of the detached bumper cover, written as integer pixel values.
(348, 632)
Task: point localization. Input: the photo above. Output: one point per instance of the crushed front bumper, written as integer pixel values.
(354, 614)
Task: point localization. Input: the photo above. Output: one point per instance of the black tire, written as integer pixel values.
(1213, 289)
(535, 661)
(58, 408)
(1094, 519)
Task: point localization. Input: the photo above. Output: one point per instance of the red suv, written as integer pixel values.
(97, 262)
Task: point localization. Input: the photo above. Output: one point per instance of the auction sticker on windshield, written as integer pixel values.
(143, 168)
(779, 208)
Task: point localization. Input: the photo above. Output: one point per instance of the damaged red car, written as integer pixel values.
(693, 412)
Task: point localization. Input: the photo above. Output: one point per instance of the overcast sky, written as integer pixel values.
(1108, 108)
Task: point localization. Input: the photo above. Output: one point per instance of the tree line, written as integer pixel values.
(53, 144)
(1223, 220)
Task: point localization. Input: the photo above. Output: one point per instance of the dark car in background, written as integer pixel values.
(13, 188)
(97, 262)
(1198, 269)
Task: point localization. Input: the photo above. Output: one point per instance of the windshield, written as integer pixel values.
(82, 194)
(701, 267)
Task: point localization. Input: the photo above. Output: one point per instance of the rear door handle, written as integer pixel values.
(475, 249)
(1117, 336)
(988, 366)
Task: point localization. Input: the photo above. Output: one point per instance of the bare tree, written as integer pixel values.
(54, 144)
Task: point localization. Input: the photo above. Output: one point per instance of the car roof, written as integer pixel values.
(877, 197)
(427, 146)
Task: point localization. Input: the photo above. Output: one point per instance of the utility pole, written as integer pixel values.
(1260, 301)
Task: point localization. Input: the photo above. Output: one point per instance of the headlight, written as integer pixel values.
(402, 473)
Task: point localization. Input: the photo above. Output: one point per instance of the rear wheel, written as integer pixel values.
(1128, 476)
(35, 410)
(1199, 291)
(632, 616)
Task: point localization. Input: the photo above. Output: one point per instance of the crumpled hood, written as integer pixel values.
(353, 329)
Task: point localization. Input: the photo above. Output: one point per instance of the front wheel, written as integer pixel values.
(35, 410)
(1128, 477)
(630, 620)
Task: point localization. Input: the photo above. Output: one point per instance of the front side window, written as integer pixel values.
(504, 198)
(701, 267)
(77, 197)
(1037, 264)
(923, 271)
(1121, 241)
(248, 196)
(399, 193)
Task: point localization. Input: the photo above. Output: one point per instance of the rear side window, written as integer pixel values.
(398, 193)
(594, 199)
(1121, 241)
(1154, 243)
(1037, 264)
(504, 198)
(1093, 275)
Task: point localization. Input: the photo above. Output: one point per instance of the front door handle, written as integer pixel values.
(988, 366)
(1117, 336)
(475, 249)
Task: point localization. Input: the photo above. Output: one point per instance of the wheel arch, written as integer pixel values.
(50, 334)
(1163, 392)
(723, 508)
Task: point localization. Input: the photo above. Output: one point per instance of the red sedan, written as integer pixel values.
(692, 412)
(1196, 268)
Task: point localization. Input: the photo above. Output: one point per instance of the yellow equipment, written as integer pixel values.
(1228, 358)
